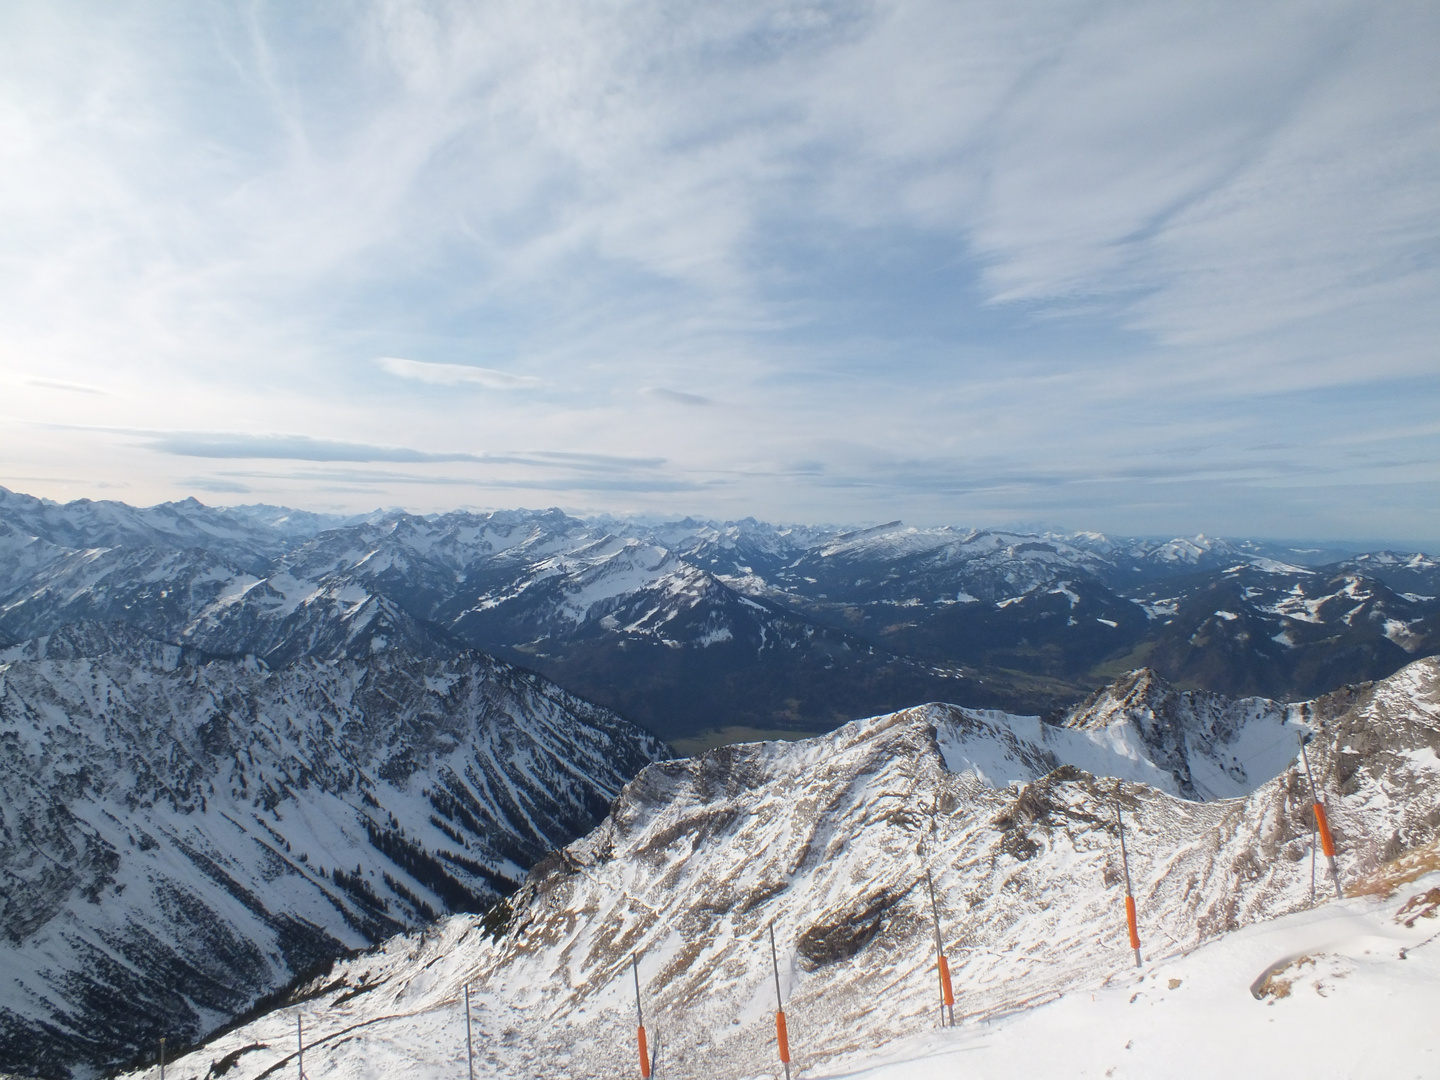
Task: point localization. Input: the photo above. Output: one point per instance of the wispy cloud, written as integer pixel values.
(73, 388)
(678, 397)
(380, 480)
(584, 460)
(308, 448)
(457, 374)
(292, 447)
(215, 484)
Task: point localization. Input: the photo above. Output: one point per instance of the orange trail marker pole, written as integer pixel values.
(1129, 893)
(640, 1020)
(469, 1044)
(947, 995)
(781, 1035)
(1327, 842)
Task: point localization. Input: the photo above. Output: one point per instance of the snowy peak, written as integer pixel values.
(1212, 746)
(245, 533)
(1191, 551)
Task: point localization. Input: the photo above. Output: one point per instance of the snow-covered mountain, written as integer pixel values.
(833, 841)
(688, 626)
(1354, 999)
(181, 835)
(1259, 624)
(243, 533)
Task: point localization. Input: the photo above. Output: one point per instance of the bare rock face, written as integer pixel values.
(181, 835)
(841, 932)
(829, 841)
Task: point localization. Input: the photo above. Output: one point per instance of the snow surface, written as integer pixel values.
(1354, 1010)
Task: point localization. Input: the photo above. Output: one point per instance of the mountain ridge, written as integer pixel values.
(834, 843)
(180, 833)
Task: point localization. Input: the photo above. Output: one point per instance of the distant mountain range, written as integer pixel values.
(693, 627)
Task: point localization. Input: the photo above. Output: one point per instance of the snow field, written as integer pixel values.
(1349, 1008)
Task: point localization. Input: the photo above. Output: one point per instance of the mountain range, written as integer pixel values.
(239, 743)
(691, 627)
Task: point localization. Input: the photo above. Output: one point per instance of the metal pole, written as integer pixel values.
(162, 1057)
(300, 1042)
(947, 996)
(781, 1034)
(1129, 892)
(469, 1043)
(1327, 842)
(775, 964)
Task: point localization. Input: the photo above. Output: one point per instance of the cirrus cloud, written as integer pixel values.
(1069, 237)
(457, 374)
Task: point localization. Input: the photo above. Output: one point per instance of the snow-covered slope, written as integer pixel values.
(1211, 747)
(829, 842)
(179, 836)
(1355, 999)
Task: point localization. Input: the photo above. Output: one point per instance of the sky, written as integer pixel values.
(1147, 268)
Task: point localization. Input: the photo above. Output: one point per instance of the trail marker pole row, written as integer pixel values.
(1327, 842)
(469, 1043)
(947, 994)
(640, 1020)
(1129, 893)
(781, 1036)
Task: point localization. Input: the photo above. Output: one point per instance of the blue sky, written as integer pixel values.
(1145, 268)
